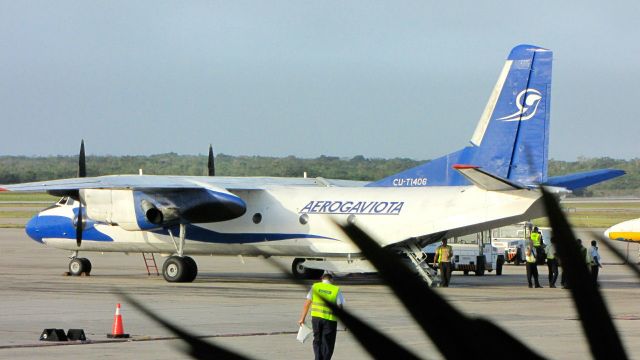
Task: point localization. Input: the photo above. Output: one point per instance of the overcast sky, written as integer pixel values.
(277, 78)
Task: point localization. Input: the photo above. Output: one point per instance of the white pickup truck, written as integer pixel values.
(472, 253)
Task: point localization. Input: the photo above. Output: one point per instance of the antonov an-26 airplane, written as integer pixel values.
(490, 183)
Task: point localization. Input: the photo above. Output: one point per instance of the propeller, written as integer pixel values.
(82, 165)
(210, 163)
(82, 172)
(79, 226)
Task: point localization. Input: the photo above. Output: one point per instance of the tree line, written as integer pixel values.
(14, 169)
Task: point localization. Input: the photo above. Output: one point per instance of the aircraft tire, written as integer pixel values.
(175, 269)
(314, 274)
(480, 267)
(77, 266)
(298, 270)
(499, 264)
(192, 269)
(87, 265)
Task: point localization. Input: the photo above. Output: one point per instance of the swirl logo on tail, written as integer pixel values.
(527, 102)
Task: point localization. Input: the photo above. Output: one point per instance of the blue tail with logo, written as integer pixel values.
(511, 139)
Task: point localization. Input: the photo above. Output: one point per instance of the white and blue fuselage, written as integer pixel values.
(300, 221)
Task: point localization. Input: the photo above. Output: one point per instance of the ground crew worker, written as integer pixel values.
(443, 256)
(552, 264)
(595, 263)
(323, 321)
(532, 267)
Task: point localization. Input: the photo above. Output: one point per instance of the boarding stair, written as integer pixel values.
(150, 263)
(419, 260)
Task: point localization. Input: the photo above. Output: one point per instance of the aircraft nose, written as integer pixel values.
(32, 229)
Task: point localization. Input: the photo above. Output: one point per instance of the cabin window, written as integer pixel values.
(257, 218)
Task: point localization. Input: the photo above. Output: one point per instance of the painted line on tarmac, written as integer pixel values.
(143, 338)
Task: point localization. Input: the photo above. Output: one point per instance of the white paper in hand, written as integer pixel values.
(303, 333)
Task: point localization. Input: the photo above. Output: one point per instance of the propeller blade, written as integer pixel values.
(82, 172)
(82, 165)
(79, 225)
(210, 163)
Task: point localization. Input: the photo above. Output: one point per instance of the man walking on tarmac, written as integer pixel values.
(323, 321)
(532, 267)
(594, 262)
(443, 256)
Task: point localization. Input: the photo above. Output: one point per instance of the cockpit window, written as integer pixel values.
(65, 201)
(60, 202)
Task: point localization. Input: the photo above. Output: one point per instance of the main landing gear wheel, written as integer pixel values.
(77, 266)
(193, 269)
(499, 264)
(480, 265)
(179, 269)
(301, 272)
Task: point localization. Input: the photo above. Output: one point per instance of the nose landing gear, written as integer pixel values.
(79, 266)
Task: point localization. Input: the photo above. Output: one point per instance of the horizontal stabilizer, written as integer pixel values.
(583, 179)
(485, 180)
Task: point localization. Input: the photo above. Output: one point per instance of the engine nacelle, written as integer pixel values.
(159, 216)
(119, 207)
(147, 210)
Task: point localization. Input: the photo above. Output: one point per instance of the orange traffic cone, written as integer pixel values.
(117, 331)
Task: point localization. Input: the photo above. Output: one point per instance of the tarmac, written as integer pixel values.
(249, 306)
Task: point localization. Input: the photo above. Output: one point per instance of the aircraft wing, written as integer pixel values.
(102, 182)
(158, 182)
(160, 200)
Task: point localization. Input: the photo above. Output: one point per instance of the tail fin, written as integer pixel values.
(512, 137)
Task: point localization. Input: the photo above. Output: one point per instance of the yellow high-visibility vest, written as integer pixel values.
(319, 308)
(439, 252)
(535, 239)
